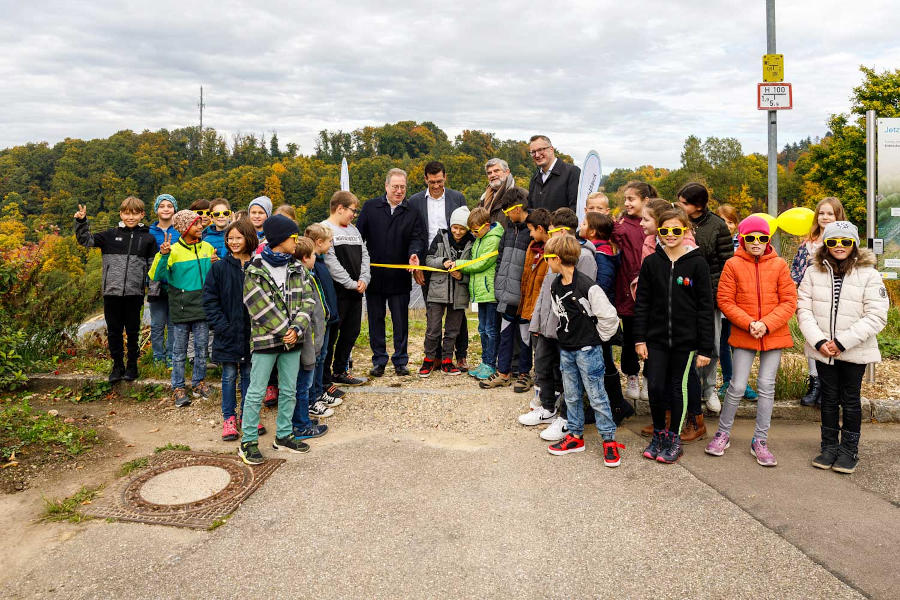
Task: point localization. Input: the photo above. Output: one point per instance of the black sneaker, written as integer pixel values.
(118, 373)
(335, 392)
(426, 368)
(181, 398)
(313, 431)
(347, 379)
(402, 370)
(131, 372)
(329, 400)
(289, 443)
(377, 371)
(250, 454)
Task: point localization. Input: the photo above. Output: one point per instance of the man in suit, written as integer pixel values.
(555, 183)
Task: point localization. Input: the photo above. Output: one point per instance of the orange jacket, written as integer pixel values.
(532, 277)
(757, 289)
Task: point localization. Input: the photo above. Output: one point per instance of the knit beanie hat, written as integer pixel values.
(460, 216)
(162, 197)
(278, 228)
(753, 223)
(264, 203)
(841, 229)
(183, 220)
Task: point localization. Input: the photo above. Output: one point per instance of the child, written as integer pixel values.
(828, 210)
(842, 305)
(161, 337)
(127, 252)
(184, 265)
(220, 216)
(201, 207)
(481, 288)
(731, 217)
(302, 426)
(586, 320)
(673, 323)
(259, 209)
(279, 297)
(288, 211)
(538, 223)
(223, 302)
(324, 398)
(760, 324)
(508, 290)
(597, 202)
(446, 292)
(348, 263)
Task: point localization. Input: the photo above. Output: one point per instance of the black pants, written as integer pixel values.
(667, 373)
(398, 304)
(462, 342)
(547, 375)
(442, 334)
(841, 383)
(123, 313)
(342, 337)
(630, 364)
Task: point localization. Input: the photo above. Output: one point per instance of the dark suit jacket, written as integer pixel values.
(391, 239)
(560, 189)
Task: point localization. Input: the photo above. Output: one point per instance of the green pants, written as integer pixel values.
(261, 365)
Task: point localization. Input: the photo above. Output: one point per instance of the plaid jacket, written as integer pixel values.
(270, 315)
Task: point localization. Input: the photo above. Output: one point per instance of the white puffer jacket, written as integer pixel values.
(861, 312)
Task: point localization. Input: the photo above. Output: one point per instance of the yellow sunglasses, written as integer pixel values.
(202, 213)
(506, 211)
(221, 213)
(751, 238)
(482, 226)
(845, 242)
(676, 231)
(547, 257)
(555, 229)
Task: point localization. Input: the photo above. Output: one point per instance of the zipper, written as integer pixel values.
(669, 307)
(127, 261)
(758, 300)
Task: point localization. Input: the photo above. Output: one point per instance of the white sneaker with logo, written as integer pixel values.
(537, 416)
(557, 430)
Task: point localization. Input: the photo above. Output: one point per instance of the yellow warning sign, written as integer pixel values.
(773, 67)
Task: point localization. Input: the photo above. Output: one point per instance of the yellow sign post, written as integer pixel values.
(773, 67)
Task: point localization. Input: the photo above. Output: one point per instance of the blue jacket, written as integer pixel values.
(323, 276)
(223, 302)
(216, 239)
(607, 264)
(391, 239)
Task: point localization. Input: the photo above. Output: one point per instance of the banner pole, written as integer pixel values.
(871, 134)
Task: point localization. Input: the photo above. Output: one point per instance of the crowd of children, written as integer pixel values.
(677, 286)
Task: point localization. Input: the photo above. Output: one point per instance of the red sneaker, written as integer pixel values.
(611, 456)
(568, 444)
(229, 430)
(271, 398)
(426, 368)
(449, 368)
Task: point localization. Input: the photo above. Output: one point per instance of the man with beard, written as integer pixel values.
(500, 181)
(555, 183)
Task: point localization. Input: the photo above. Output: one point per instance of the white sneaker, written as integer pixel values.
(537, 416)
(557, 430)
(632, 388)
(645, 387)
(712, 402)
(320, 409)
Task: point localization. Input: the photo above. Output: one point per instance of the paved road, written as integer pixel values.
(421, 515)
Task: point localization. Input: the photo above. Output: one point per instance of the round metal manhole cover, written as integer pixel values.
(185, 485)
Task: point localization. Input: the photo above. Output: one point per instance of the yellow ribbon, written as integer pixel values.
(424, 268)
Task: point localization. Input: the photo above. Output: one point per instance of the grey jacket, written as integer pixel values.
(311, 344)
(510, 262)
(444, 289)
(127, 256)
(543, 320)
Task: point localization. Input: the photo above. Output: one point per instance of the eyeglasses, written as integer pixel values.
(845, 242)
(753, 238)
(547, 257)
(294, 236)
(202, 213)
(537, 151)
(506, 211)
(555, 229)
(221, 213)
(676, 231)
(355, 211)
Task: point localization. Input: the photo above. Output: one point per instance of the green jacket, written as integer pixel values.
(271, 314)
(481, 274)
(184, 268)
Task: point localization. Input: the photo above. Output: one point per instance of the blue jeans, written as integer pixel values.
(489, 330)
(181, 331)
(261, 365)
(317, 387)
(161, 339)
(583, 370)
(229, 389)
(300, 420)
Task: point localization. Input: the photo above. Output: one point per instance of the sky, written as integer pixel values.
(630, 80)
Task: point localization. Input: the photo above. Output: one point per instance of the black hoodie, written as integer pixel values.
(674, 305)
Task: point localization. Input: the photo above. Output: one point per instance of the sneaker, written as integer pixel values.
(201, 390)
(290, 443)
(719, 444)
(712, 402)
(271, 399)
(671, 449)
(764, 456)
(474, 372)
(131, 372)
(401, 371)
(750, 394)
(377, 371)
(426, 368)
(335, 392)
(313, 431)
(462, 364)
(632, 388)
(645, 389)
(567, 445)
(318, 409)
(347, 379)
(486, 373)
(449, 368)
(329, 400)
(229, 430)
(181, 398)
(117, 374)
(250, 454)
(655, 445)
(494, 381)
(523, 383)
(537, 417)
(611, 456)
(557, 430)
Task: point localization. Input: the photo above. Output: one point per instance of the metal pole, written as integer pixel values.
(772, 117)
(871, 180)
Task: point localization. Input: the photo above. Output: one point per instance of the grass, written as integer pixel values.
(22, 426)
(171, 446)
(133, 465)
(790, 382)
(217, 523)
(67, 509)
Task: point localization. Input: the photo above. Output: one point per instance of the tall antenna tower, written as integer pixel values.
(201, 105)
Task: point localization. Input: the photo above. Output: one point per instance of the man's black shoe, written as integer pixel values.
(118, 372)
(377, 371)
(131, 372)
(402, 370)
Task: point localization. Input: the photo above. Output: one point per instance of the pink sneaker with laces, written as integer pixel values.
(764, 456)
(718, 444)
(229, 429)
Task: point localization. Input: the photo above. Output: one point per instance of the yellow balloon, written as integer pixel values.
(796, 221)
(772, 221)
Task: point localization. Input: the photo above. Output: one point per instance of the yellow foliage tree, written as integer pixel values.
(63, 254)
(273, 189)
(742, 201)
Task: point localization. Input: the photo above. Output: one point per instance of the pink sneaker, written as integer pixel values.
(271, 398)
(764, 456)
(229, 430)
(718, 444)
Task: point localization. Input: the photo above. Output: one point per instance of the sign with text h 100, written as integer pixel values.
(774, 96)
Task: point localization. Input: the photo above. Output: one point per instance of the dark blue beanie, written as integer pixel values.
(279, 228)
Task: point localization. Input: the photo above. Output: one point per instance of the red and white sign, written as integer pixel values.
(774, 96)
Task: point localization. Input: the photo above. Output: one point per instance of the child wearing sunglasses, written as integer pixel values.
(220, 219)
(673, 326)
(842, 305)
(758, 297)
(201, 207)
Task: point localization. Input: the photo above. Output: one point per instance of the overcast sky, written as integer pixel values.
(629, 79)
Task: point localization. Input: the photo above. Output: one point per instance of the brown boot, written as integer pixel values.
(694, 429)
(648, 430)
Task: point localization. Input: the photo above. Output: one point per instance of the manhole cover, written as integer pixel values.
(184, 489)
